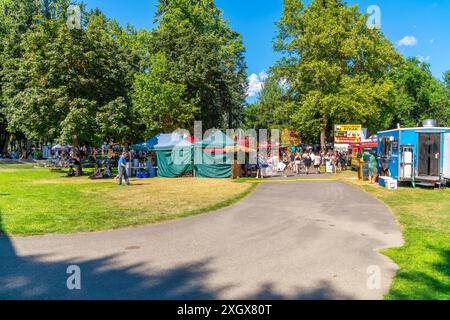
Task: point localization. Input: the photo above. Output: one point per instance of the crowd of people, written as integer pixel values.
(32, 154)
(288, 163)
(16, 155)
(298, 162)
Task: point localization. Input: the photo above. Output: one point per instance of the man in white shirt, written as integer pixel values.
(317, 162)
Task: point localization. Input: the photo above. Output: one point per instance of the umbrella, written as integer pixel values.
(61, 147)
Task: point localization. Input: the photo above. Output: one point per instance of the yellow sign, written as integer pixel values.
(290, 138)
(347, 134)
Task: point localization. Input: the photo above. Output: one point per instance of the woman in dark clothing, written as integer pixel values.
(77, 163)
(308, 163)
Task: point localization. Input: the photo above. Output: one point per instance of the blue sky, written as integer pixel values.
(418, 28)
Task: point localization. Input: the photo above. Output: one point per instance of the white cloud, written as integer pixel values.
(255, 83)
(432, 41)
(408, 41)
(422, 58)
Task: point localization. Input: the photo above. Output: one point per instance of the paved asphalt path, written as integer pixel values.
(299, 240)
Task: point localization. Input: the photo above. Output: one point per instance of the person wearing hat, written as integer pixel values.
(373, 166)
(123, 169)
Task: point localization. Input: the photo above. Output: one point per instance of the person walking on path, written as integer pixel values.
(123, 169)
(286, 163)
(373, 166)
(297, 163)
(308, 163)
(317, 163)
(261, 167)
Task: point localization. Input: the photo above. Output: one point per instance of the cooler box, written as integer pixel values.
(142, 175)
(382, 181)
(392, 184)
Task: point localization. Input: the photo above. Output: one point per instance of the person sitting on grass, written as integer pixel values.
(71, 172)
(97, 173)
(107, 172)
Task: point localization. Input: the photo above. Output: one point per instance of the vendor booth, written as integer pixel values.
(416, 155)
(211, 157)
(178, 154)
(173, 154)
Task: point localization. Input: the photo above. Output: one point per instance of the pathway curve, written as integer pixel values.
(299, 240)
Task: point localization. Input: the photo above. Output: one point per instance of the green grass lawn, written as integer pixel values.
(36, 201)
(424, 260)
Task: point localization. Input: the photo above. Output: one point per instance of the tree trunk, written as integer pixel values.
(323, 133)
(28, 148)
(4, 136)
(4, 139)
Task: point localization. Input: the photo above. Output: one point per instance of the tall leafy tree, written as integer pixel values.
(273, 108)
(4, 137)
(16, 17)
(161, 102)
(447, 89)
(68, 81)
(447, 78)
(336, 67)
(418, 95)
(194, 55)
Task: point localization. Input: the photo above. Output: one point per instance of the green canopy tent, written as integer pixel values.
(173, 154)
(215, 161)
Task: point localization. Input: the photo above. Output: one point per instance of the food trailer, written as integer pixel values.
(357, 152)
(357, 160)
(417, 155)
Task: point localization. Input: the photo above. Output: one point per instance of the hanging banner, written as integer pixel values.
(348, 134)
(290, 138)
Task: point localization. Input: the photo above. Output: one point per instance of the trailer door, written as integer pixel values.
(447, 156)
(429, 154)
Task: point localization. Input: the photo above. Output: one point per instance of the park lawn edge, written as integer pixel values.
(403, 287)
(194, 213)
(160, 220)
(400, 288)
(385, 251)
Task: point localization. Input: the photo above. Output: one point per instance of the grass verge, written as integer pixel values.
(37, 202)
(424, 260)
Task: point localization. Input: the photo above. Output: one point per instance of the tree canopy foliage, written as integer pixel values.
(418, 95)
(196, 68)
(67, 84)
(335, 65)
(106, 83)
(335, 70)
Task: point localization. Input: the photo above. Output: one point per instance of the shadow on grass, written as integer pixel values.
(38, 277)
(423, 285)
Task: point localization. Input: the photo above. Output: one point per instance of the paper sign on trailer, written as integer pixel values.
(446, 169)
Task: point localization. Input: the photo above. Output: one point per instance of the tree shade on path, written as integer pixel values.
(307, 240)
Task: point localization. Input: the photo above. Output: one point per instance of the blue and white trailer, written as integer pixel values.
(417, 155)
